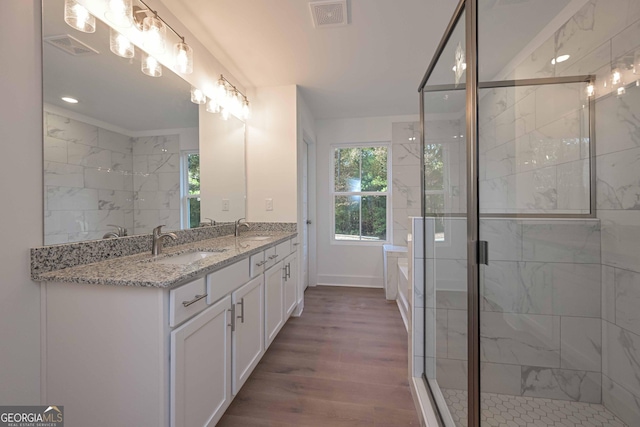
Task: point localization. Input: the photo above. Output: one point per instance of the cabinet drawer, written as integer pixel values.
(227, 280)
(187, 301)
(283, 249)
(294, 244)
(257, 264)
(270, 257)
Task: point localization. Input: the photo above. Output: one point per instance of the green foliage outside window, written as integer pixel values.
(361, 216)
(193, 177)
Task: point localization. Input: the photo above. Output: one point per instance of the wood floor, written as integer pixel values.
(342, 363)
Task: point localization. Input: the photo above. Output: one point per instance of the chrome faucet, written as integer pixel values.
(158, 235)
(209, 223)
(240, 224)
(111, 234)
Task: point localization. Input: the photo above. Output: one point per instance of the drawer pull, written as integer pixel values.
(241, 317)
(261, 263)
(273, 257)
(296, 244)
(193, 301)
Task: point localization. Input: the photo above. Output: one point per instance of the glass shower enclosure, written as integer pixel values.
(530, 114)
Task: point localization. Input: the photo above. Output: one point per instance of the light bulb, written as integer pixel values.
(616, 77)
(120, 45)
(224, 113)
(621, 91)
(78, 17)
(155, 33)
(197, 97)
(212, 106)
(246, 111)
(560, 59)
(151, 66)
(591, 90)
(236, 104)
(120, 13)
(184, 58)
(221, 90)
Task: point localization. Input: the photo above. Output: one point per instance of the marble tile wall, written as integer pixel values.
(540, 309)
(88, 180)
(405, 177)
(156, 182)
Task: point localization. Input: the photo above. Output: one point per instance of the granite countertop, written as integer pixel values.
(141, 270)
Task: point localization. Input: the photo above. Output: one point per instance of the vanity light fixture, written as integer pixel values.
(78, 17)
(120, 45)
(69, 99)
(224, 113)
(591, 90)
(120, 13)
(197, 96)
(151, 66)
(213, 106)
(616, 77)
(560, 59)
(246, 109)
(464, 67)
(230, 100)
(621, 91)
(184, 57)
(155, 33)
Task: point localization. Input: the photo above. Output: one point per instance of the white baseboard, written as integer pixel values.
(420, 394)
(356, 281)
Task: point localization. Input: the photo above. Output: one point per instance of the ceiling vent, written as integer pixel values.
(71, 45)
(329, 13)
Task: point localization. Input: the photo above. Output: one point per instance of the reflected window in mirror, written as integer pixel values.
(190, 189)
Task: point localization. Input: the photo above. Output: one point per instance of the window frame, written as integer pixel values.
(333, 193)
(184, 188)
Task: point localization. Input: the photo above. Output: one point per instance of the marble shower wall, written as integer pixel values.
(540, 308)
(156, 183)
(406, 170)
(94, 177)
(618, 207)
(88, 180)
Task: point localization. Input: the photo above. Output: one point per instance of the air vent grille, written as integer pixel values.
(71, 45)
(332, 13)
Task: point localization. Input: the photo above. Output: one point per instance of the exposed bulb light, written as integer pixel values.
(120, 45)
(197, 97)
(221, 89)
(213, 106)
(184, 58)
(224, 113)
(464, 67)
(120, 13)
(246, 110)
(69, 99)
(616, 77)
(151, 66)
(78, 17)
(591, 90)
(621, 91)
(560, 59)
(155, 33)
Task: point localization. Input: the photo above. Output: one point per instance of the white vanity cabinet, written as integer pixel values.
(247, 346)
(273, 303)
(162, 357)
(201, 367)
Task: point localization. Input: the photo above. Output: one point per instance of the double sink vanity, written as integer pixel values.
(164, 340)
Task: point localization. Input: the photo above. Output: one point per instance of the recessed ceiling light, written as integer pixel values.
(69, 100)
(560, 59)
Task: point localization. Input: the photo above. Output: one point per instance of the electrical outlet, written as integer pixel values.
(269, 203)
(225, 204)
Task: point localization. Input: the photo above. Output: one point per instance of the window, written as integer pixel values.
(190, 189)
(360, 193)
(434, 186)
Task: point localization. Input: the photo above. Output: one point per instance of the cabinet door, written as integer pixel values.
(248, 337)
(273, 302)
(290, 285)
(201, 368)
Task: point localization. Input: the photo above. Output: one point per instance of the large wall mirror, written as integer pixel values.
(134, 152)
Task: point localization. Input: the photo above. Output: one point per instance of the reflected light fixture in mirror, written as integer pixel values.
(120, 45)
(213, 106)
(78, 17)
(155, 33)
(151, 66)
(120, 13)
(197, 97)
(184, 57)
(560, 59)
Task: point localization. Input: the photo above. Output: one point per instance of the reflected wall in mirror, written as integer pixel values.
(126, 153)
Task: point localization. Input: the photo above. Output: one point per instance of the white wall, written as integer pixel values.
(21, 190)
(346, 264)
(272, 155)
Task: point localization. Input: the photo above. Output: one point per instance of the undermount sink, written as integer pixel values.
(256, 238)
(188, 258)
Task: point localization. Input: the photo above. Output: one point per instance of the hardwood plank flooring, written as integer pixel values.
(342, 363)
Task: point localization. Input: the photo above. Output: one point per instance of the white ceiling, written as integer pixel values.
(371, 67)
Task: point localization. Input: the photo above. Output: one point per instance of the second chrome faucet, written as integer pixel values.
(158, 236)
(239, 224)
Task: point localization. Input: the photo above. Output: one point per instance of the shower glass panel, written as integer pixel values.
(445, 230)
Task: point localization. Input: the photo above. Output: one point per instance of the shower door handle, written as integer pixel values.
(483, 252)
